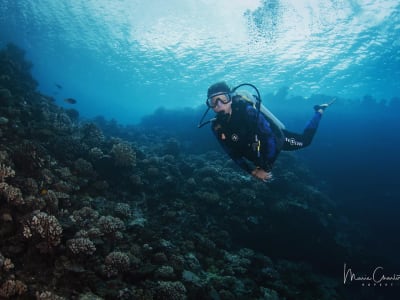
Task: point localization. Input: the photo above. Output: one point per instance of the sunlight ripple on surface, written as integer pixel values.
(164, 47)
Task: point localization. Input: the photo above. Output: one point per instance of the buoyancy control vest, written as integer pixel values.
(276, 125)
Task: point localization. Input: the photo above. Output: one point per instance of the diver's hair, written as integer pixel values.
(219, 87)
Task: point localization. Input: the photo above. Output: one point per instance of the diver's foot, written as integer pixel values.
(321, 107)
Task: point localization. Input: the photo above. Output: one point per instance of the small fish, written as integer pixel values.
(70, 100)
(58, 85)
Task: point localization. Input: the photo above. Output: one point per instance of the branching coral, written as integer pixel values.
(5, 263)
(48, 296)
(92, 135)
(30, 186)
(165, 272)
(95, 153)
(51, 199)
(116, 262)
(92, 233)
(110, 225)
(124, 155)
(123, 210)
(83, 167)
(12, 194)
(81, 246)
(68, 147)
(4, 157)
(170, 290)
(12, 288)
(29, 156)
(61, 122)
(85, 217)
(46, 227)
(6, 171)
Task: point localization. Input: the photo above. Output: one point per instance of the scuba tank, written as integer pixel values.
(246, 95)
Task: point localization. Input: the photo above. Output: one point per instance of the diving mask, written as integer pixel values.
(213, 100)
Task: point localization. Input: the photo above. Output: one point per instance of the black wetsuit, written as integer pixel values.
(236, 134)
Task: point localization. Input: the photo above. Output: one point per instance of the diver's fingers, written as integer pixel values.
(268, 177)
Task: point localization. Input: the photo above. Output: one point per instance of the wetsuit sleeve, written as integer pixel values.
(236, 158)
(268, 151)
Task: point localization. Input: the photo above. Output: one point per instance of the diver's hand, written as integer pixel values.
(261, 174)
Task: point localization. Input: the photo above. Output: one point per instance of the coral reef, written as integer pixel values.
(107, 212)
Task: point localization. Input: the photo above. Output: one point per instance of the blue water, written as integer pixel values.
(124, 59)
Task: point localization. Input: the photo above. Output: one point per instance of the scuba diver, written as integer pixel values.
(248, 132)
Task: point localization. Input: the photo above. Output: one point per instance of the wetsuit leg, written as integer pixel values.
(295, 141)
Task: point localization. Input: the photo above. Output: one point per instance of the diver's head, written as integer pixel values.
(219, 98)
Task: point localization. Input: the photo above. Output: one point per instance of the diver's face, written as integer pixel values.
(222, 103)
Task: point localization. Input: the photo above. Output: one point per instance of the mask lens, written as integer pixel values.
(210, 103)
(214, 99)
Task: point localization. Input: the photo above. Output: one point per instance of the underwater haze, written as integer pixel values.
(123, 59)
(129, 78)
